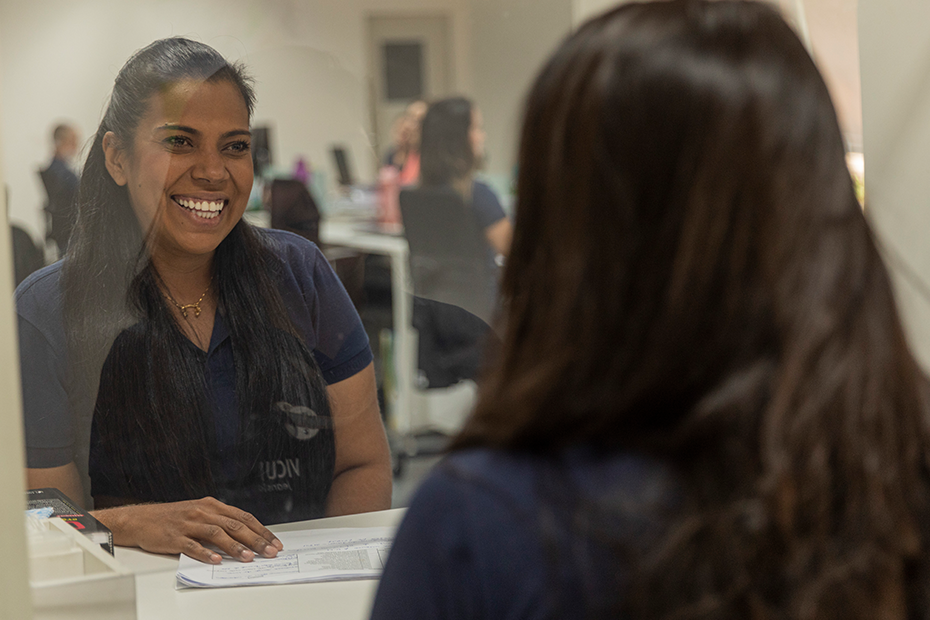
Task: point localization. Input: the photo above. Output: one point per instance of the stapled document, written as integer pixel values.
(310, 555)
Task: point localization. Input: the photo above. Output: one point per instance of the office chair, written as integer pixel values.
(294, 209)
(455, 288)
(59, 213)
(27, 257)
(450, 260)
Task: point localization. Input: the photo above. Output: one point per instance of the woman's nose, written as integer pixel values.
(210, 166)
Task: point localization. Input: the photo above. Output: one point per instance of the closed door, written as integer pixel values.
(410, 59)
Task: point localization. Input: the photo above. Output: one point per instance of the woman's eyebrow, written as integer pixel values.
(195, 132)
(184, 128)
(237, 132)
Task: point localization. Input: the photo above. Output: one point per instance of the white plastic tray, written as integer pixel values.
(107, 591)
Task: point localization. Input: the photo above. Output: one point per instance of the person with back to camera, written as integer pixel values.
(451, 150)
(705, 406)
(235, 379)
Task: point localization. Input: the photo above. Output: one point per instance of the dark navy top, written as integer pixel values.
(486, 205)
(487, 210)
(61, 185)
(491, 535)
(317, 303)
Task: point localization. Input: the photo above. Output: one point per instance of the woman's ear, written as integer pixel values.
(115, 158)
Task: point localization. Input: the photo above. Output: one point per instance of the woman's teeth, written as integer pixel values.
(203, 208)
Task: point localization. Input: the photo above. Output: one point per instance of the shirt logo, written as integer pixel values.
(302, 423)
(282, 469)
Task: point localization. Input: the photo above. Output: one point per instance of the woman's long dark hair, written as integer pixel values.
(446, 153)
(109, 284)
(691, 277)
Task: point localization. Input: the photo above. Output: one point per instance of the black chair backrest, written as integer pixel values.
(49, 185)
(450, 259)
(60, 210)
(46, 177)
(27, 256)
(294, 209)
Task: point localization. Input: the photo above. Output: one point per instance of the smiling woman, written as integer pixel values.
(176, 354)
(190, 164)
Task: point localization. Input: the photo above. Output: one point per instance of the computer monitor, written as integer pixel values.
(261, 149)
(340, 156)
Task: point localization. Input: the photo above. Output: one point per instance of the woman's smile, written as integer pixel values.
(203, 208)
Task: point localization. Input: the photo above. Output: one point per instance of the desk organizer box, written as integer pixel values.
(73, 578)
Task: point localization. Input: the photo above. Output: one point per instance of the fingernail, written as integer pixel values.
(216, 559)
(277, 543)
(271, 551)
(246, 555)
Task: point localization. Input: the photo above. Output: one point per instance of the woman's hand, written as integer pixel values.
(185, 527)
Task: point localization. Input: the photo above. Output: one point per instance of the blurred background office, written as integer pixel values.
(328, 72)
(342, 87)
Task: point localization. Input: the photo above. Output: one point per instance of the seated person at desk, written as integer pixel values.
(451, 151)
(230, 362)
(705, 406)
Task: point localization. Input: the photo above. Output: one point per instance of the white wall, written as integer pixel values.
(894, 48)
(835, 42)
(510, 41)
(583, 10)
(59, 59)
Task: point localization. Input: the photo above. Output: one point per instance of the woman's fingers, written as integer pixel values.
(245, 528)
(241, 533)
(235, 532)
(197, 551)
(190, 527)
(216, 536)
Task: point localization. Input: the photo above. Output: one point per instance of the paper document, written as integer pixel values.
(309, 555)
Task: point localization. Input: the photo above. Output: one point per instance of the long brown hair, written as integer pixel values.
(446, 153)
(691, 277)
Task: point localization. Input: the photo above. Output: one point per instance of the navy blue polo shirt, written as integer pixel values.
(486, 205)
(57, 413)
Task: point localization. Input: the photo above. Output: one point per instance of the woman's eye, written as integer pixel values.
(239, 147)
(177, 142)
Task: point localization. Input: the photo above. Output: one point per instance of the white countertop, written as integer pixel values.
(157, 598)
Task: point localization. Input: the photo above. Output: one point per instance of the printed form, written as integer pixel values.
(310, 555)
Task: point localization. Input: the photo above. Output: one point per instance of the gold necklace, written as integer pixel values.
(186, 307)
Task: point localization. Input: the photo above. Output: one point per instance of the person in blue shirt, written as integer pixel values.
(61, 184)
(451, 151)
(705, 405)
(198, 377)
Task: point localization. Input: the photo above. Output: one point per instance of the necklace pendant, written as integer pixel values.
(183, 309)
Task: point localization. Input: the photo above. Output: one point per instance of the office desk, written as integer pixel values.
(157, 599)
(354, 235)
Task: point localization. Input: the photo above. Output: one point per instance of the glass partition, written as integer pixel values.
(383, 132)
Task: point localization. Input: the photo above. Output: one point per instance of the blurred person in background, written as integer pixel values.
(404, 154)
(705, 406)
(451, 151)
(401, 165)
(61, 185)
